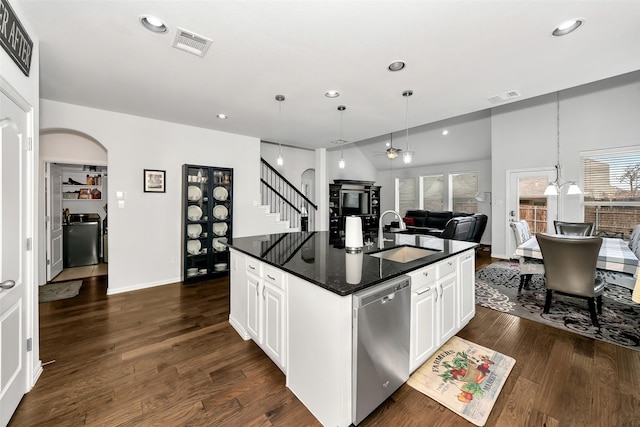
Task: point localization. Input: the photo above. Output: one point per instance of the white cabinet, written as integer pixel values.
(442, 302)
(424, 316)
(266, 310)
(466, 286)
(447, 294)
(254, 308)
(274, 323)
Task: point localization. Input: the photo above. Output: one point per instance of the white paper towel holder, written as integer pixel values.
(353, 234)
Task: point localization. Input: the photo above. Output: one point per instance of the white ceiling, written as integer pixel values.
(458, 53)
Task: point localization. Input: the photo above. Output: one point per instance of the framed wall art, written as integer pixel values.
(154, 181)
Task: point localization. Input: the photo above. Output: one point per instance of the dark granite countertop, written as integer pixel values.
(316, 258)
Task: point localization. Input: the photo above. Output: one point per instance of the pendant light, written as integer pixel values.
(407, 156)
(341, 141)
(555, 187)
(280, 160)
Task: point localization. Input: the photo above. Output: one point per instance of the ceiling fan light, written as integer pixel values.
(392, 154)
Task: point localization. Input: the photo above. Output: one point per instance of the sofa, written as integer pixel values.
(445, 224)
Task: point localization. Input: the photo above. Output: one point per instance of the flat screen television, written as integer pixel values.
(355, 203)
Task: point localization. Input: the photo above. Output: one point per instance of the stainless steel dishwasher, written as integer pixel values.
(381, 333)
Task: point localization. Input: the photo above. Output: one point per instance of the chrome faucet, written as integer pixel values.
(381, 238)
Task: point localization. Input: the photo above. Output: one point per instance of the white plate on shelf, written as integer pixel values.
(220, 228)
(220, 212)
(194, 230)
(220, 267)
(194, 193)
(194, 246)
(194, 213)
(220, 243)
(192, 271)
(220, 193)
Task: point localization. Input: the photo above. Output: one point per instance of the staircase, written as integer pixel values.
(270, 222)
(283, 207)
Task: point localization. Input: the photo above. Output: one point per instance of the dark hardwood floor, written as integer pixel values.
(167, 356)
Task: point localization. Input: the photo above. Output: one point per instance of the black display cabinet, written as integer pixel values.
(207, 222)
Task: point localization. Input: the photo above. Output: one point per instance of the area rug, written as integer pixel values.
(497, 289)
(464, 377)
(58, 291)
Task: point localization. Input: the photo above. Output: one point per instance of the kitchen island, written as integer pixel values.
(292, 294)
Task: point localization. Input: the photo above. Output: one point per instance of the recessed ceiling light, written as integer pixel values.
(222, 116)
(567, 27)
(154, 24)
(445, 132)
(332, 94)
(396, 65)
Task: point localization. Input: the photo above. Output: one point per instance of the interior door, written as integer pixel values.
(53, 203)
(13, 202)
(527, 201)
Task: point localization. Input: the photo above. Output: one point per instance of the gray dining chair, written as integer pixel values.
(570, 269)
(573, 228)
(634, 239)
(528, 266)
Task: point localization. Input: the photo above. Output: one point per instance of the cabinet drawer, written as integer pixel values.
(254, 266)
(273, 276)
(423, 277)
(446, 267)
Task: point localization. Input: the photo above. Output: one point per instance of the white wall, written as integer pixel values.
(599, 115)
(483, 167)
(145, 235)
(357, 167)
(13, 81)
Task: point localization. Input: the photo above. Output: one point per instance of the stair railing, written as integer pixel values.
(284, 198)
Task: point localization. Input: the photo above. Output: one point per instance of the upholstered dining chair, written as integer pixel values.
(528, 266)
(570, 269)
(573, 228)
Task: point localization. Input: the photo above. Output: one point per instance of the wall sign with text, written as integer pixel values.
(14, 39)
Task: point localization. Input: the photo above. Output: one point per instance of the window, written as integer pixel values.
(464, 187)
(432, 191)
(611, 193)
(405, 194)
(533, 203)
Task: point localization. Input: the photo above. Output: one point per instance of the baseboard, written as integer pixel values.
(239, 329)
(111, 291)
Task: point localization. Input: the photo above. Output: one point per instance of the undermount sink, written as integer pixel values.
(404, 254)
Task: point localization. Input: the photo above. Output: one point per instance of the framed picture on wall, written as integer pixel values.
(154, 181)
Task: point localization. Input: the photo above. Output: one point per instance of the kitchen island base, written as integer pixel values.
(307, 330)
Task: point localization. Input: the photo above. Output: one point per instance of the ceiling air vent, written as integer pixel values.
(503, 97)
(190, 42)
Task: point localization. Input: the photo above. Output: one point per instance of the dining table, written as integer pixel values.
(615, 256)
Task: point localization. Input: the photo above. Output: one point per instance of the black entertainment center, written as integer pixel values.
(351, 197)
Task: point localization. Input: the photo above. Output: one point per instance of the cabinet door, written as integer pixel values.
(274, 334)
(466, 287)
(424, 325)
(447, 297)
(254, 307)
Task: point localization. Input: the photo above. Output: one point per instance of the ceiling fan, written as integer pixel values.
(391, 152)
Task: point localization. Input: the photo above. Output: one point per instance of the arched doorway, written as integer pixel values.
(74, 167)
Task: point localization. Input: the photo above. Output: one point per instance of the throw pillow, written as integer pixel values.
(408, 221)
